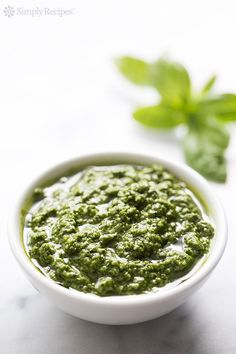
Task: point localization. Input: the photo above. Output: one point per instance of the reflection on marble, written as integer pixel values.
(29, 324)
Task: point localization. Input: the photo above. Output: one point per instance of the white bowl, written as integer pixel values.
(126, 309)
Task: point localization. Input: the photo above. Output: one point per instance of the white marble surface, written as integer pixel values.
(59, 97)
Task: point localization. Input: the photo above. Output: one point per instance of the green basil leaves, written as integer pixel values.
(204, 113)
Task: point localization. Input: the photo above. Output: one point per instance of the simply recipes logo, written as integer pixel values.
(11, 11)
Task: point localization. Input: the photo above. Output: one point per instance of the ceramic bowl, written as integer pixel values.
(130, 308)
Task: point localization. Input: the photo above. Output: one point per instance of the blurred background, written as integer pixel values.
(61, 96)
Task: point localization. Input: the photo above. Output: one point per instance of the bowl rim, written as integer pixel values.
(197, 181)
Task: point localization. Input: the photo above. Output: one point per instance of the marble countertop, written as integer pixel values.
(60, 97)
(205, 324)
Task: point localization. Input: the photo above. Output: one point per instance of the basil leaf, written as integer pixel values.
(135, 70)
(204, 147)
(171, 80)
(159, 116)
(209, 84)
(202, 113)
(223, 107)
(215, 132)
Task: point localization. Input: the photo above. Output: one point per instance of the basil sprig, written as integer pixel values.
(204, 113)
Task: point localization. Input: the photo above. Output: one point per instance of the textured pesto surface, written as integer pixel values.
(116, 230)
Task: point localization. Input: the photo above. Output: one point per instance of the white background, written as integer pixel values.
(61, 96)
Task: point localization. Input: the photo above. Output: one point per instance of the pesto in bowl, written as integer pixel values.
(117, 230)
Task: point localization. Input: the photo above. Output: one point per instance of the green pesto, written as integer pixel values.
(116, 230)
